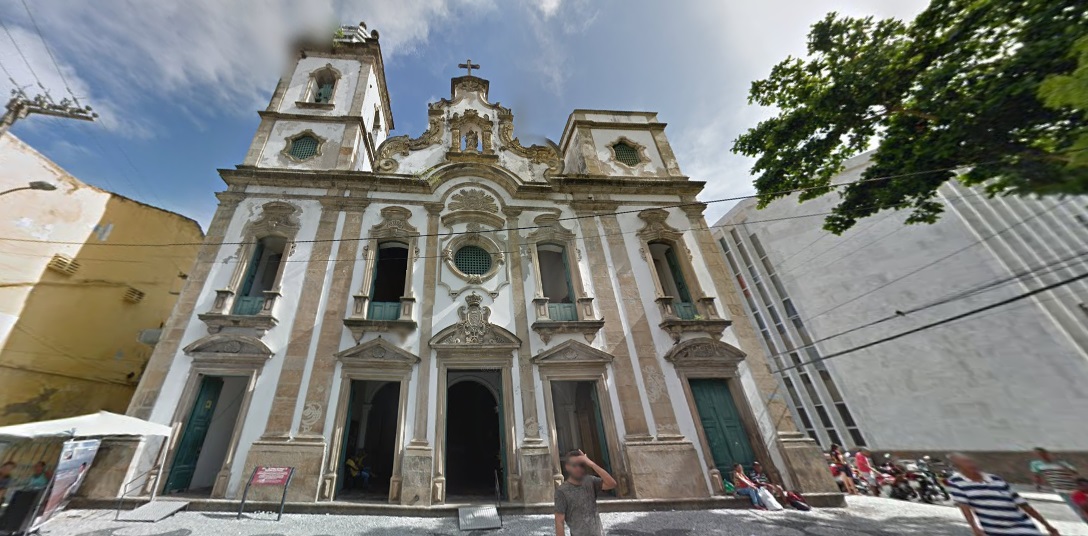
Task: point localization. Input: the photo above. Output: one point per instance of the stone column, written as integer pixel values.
(275, 447)
(147, 393)
(417, 467)
(534, 456)
(669, 466)
(805, 468)
(312, 426)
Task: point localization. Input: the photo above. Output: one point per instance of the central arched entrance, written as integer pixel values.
(473, 437)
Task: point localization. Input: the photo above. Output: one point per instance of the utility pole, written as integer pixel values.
(22, 105)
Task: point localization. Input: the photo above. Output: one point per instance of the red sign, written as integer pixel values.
(271, 476)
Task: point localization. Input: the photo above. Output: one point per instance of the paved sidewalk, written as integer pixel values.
(866, 516)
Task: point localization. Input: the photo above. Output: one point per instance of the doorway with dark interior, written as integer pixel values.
(578, 423)
(475, 458)
(370, 444)
(206, 437)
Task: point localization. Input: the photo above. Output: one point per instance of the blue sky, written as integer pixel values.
(178, 84)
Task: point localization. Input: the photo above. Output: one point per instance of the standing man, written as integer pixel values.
(864, 462)
(990, 506)
(1060, 475)
(576, 498)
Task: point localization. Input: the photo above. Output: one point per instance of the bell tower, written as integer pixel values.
(330, 110)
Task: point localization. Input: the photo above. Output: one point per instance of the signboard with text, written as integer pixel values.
(268, 476)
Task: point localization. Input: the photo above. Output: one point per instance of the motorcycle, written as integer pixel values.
(931, 488)
(899, 483)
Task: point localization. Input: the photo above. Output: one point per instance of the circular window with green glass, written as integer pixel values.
(472, 260)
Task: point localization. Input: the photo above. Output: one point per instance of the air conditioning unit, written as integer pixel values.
(63, 264)
(133, 295)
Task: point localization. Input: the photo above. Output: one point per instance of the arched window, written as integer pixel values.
(323, 85)
(260, 275)
(555, 281)
(390, 274)
(670, 274)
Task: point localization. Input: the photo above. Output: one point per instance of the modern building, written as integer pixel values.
(73, 304)
(995, 384)
(457, 306)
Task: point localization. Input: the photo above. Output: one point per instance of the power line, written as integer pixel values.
(937, 323)
(522, 228)
(938, 260)
(50, 52)
(20, 51)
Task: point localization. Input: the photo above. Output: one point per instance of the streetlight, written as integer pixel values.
(33, 185)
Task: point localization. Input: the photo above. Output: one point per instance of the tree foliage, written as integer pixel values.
(957, 93)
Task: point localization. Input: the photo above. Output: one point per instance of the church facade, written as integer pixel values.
(451, 312)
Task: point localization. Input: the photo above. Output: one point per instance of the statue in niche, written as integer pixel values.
(472, 141)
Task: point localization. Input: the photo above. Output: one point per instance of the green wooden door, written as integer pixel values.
(602, 439)
(722, 425)
(677, 276)
(502, 443)
(192, 439)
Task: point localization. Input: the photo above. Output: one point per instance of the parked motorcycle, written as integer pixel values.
(931, 484)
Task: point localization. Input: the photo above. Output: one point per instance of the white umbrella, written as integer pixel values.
(98, 424)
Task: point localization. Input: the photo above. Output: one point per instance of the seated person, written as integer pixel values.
(760, 478)
(744, 487)
(358, 474)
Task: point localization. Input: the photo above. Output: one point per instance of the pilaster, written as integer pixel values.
(533, 456)
(147, 393)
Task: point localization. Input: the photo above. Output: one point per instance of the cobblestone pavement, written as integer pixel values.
(866, 516)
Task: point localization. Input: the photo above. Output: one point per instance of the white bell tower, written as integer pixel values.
(330, 110)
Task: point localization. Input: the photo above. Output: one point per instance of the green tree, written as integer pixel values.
(954, 94)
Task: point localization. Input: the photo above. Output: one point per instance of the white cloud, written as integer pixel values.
(207, 56)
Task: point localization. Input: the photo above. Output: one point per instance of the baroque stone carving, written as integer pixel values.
(394, 224)
(310, 415)
(472, 141)
(657, 228)
(229, 345)
(403, 145)
(474, 328)
(277, 219)
(704, 352)
(572, 352)
(537, 154)
(377, 353)
(473, 199)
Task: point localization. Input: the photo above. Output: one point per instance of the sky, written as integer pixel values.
(178, 84)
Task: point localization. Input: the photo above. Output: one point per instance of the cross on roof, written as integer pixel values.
(469, 66)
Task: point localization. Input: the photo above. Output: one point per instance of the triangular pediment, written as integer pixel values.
(490, 336)
(572, 351)
(229, 345)
(377, 351)
(704, 351)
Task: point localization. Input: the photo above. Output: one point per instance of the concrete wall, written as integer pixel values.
(68, 342)
(1004, 380)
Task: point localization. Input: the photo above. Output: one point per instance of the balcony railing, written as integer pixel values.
(384, 311)
(248, 305)
(685, 310)
(563, 312)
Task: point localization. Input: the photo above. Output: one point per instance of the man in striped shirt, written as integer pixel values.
(991, 507)
(1060, 475)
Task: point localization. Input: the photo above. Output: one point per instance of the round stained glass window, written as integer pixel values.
(472, 260)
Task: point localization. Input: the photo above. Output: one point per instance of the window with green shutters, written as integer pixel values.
(303, 147)
(627, 154)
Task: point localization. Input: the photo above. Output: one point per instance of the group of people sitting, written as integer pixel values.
(764, 494)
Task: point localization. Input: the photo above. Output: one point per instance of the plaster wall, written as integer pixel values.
(68, 341)
(1007, 379)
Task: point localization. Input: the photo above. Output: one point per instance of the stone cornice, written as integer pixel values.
(283, 116)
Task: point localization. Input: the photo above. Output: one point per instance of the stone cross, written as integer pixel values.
(469, 66)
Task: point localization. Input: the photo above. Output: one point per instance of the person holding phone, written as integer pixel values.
(576, 498)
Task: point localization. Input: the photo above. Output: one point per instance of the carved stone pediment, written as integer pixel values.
(537, 154)
(377, 352)
(226, 345)
(572, 352)
(474, 330)
(704, 352)
(657, 228)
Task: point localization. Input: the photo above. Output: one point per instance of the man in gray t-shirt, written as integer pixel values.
(576, 498)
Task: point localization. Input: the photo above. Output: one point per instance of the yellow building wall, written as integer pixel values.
(71, 340)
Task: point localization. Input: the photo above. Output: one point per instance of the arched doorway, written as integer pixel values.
(473, 439)
(370, 440)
